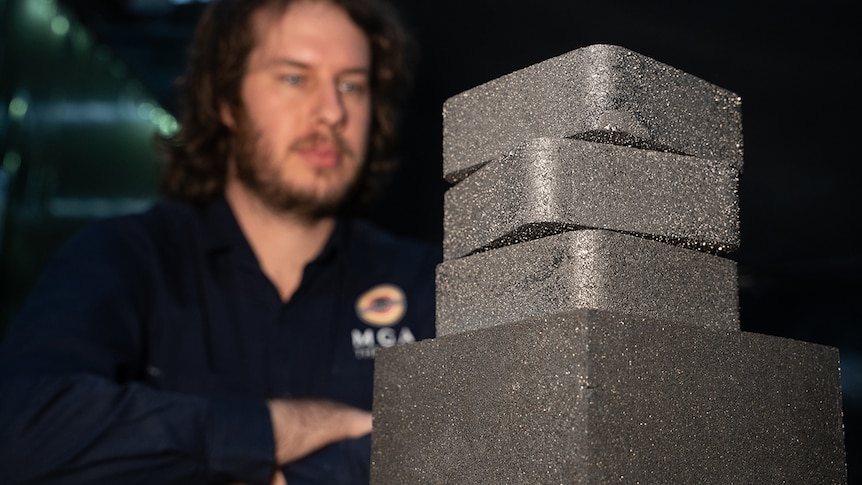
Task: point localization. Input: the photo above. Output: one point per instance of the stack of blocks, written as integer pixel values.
(587, 313)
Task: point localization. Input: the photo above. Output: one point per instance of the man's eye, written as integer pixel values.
(293, 79)
(351, 87)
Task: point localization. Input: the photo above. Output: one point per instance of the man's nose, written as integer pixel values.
(330, 106)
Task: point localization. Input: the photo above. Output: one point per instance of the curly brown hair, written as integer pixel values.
(197, 155)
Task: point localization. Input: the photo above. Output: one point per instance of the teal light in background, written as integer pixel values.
(41, 9)
(145, 109)
(77, 131)
(164, 121)
(60, 25)
(168, 126)
(11, 162)
(18, 108)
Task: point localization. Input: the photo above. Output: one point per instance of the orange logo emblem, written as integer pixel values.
(382, 305)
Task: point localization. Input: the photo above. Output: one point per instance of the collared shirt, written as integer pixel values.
(148, 347)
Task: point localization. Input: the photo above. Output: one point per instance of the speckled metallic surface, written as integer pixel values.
(600, 93)
(594, 269)
(555, 183)
(590, 397)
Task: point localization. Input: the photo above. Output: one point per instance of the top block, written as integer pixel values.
(600, 93)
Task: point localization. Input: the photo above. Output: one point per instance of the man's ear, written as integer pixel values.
(226, 115)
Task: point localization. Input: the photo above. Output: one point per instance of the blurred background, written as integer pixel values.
(85, 85)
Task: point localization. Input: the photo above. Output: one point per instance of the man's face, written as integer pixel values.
(303, 131)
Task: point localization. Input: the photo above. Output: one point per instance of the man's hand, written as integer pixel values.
(301, 426)
(278, 478)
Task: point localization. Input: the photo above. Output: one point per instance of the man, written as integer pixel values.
(228, 336)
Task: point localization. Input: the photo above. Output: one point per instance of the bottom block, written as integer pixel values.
(592, 397)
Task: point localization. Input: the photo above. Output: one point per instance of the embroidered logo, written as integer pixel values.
(381, 306)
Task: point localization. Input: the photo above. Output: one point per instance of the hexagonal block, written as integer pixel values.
(601, 93)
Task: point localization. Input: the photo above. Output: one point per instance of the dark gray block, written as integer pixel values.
(551, 184)
(601, 93)
(591, 397)
(595, 269)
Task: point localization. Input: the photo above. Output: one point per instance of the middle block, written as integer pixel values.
(592, 269)
(552, 184)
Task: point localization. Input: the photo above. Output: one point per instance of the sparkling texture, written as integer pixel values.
(601, 93)
(587, 319)
(594, 397)
(593, 269)
(553, 185)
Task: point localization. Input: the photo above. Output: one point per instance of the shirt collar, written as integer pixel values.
(224, 234)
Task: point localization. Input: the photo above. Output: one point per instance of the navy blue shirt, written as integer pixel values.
(148, 347)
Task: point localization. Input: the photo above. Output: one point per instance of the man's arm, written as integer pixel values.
(80, 428)
(84, 429)
(301, 426)
(73, 407)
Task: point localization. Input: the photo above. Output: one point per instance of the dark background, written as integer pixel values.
(79, 152)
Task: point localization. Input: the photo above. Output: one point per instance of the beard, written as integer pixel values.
(258, 170)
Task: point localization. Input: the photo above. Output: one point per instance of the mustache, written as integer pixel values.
(316, 139)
